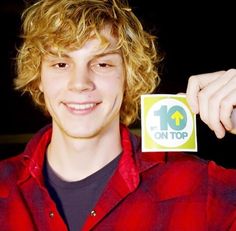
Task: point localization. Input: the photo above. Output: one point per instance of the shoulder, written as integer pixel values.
(172, 175)
(180, 171)
(9, 166)
(15, 168)
(10, 170)
(181, 174)
(222, 180)
(217, 176)
(173, 159)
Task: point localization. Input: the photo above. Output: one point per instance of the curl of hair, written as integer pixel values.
(65, 25)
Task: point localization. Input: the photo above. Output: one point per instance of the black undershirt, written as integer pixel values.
(75, 200)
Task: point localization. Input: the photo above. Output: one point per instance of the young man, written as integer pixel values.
(86, 63)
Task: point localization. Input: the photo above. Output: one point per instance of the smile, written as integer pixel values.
(83, 106)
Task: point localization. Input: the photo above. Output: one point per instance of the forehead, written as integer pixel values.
(105, 39)
(97, 42)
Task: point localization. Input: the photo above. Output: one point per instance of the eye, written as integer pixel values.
(103, 65)
(61, 65)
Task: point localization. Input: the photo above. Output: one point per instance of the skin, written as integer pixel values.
(83, 92)
(213, 97)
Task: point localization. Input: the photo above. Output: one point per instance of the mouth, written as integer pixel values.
(81, 108)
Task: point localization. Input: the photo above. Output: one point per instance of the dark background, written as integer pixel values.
(195, 38)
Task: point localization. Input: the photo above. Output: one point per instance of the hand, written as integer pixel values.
(213, 97)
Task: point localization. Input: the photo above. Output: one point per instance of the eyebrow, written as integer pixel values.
(111, 52)
(98, 55)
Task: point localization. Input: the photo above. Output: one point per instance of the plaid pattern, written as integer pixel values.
(149, 191)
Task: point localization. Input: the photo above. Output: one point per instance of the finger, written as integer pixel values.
(233, 120)
(209, 98)
(195, 84)
(202, 88)
(221, 104)
(228, 111)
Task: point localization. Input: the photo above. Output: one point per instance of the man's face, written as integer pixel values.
(83, 89)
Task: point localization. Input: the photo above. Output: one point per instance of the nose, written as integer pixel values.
(81, 81)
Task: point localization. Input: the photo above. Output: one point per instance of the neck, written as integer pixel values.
(74, 158)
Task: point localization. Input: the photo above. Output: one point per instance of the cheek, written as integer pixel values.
(51, 85)
(113, 87)
(118, 81)
(51, 90)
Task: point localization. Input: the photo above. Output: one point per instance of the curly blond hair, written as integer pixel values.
(67, 25)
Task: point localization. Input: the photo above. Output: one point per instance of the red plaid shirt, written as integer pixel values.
(149, 191)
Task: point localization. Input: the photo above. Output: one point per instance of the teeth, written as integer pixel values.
(81, 106)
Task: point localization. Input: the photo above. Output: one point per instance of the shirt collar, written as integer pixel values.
(133, 160)
(145, 160)
(132, 157)
(34, 153)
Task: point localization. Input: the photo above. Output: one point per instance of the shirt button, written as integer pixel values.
(51, 214)
(93, 213)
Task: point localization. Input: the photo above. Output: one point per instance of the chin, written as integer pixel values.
(85, 134)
